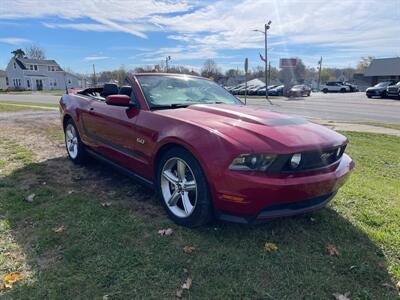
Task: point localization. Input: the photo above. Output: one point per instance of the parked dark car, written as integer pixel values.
(393, 91)
(379, 90)
(261, 91)
(276, 91)
(253, 91)
(300, 90)
(353, 87)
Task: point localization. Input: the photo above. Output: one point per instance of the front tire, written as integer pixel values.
(325, 91)
(183, 188)
(75, 148)
(343, 90)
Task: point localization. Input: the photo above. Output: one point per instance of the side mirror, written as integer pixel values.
(119, 100)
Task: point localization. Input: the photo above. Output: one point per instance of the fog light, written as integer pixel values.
(338, 151)
(295, 161)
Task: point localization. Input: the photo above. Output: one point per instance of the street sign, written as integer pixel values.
(288, 62)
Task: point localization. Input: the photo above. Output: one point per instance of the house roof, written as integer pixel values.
(23, 61)
(2, 73)
(384, 67)
(38, 61)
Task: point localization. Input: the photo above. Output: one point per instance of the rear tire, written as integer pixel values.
(325, 91)
(183, 188)
(343, 90)
(73, 143)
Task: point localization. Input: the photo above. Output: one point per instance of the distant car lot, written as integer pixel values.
(331, 106)
(335, 106)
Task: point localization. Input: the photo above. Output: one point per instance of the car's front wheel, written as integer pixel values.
(183, 188)
(75, 148)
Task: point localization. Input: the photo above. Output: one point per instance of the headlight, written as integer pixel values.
(252, 162)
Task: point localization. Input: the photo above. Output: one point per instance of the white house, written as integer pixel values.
(3, 80)
(38, 74)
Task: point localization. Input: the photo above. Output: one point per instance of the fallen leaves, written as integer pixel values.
(270, 247)
(30, 198)
(342, 296)
(59, 229)
(187, 285)
(167, 231)
(9, 279)
(332, 250)
(188, 249)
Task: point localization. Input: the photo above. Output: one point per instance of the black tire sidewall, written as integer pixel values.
(202, 213)
(82, 155)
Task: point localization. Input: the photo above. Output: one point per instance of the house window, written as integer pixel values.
(28, 83)
(69, 81)
(35, 67)
(31, 67)
(15, 65)
(19, 82)
(6, 80)
(52, 68)
(55, 83)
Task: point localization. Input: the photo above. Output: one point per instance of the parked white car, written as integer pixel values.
(334, 87)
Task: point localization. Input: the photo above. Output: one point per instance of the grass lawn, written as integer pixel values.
(67, 245)
(10, 106)
(46, 92)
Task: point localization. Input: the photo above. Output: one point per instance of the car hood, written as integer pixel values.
(373, 88)
(258, 129)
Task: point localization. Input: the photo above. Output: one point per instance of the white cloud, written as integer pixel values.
(94, 57)
(14, 41)
(206, 29)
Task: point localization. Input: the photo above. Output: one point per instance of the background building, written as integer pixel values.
(383, 69)
(3, 80)
(38, 74)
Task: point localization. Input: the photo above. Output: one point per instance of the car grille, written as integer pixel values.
(314, 160)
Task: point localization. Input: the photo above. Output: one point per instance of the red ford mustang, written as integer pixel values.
(206, 153)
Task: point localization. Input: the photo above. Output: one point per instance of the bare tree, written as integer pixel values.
(35, 52)
(210, 69)
(364, 63)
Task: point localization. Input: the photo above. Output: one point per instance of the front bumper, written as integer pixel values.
(255, 198)
(373, 93)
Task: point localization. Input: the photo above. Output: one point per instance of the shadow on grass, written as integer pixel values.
(117, 251)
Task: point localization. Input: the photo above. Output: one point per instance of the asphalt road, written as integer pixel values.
(337, 107)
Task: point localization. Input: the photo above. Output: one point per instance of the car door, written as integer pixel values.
(113, 132)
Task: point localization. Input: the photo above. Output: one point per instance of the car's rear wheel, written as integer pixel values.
(75, 148)
(183, 188)
(342, 90)
(325, 91)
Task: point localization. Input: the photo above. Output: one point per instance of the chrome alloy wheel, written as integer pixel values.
(71, 140)
(178, 187)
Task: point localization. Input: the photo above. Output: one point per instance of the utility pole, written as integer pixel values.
(167, 59)
(94, 76)
(246, 68)
(269, 73)
(319, 72)
(266, 27)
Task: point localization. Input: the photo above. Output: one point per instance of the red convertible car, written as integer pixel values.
(206, 153)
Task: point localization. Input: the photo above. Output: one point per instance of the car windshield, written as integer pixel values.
(178, 91)
(382, 84)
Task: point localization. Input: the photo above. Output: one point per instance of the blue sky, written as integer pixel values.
(113, 33)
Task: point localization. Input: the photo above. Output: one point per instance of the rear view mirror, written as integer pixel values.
(119, 100)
